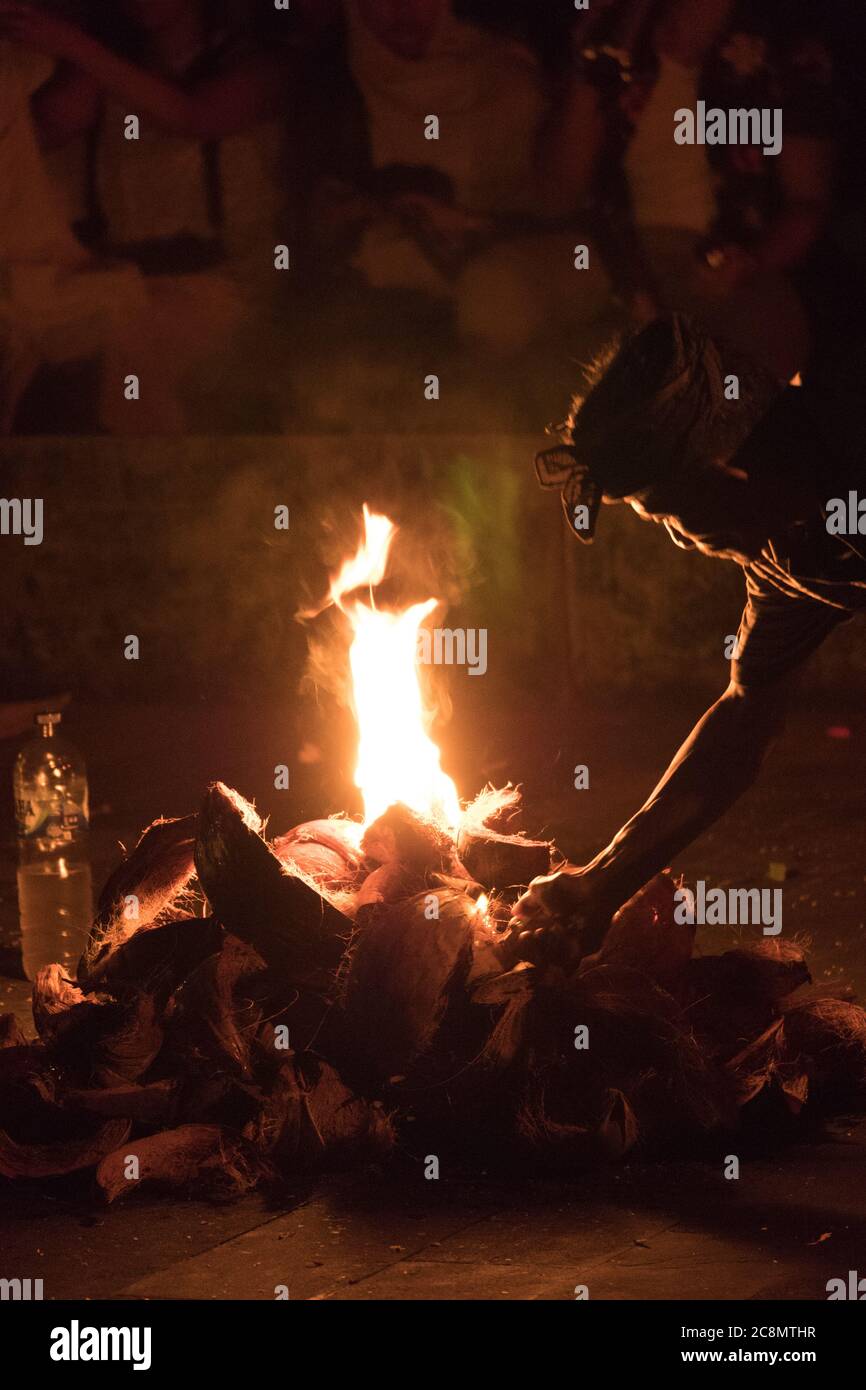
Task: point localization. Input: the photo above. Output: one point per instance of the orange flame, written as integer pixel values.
(397, 761)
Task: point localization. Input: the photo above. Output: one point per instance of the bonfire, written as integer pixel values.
(352, 991)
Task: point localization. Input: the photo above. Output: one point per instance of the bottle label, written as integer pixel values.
(49, 820)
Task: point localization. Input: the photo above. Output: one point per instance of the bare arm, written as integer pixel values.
(568, 147)
(219, 106)
(719, 760)
(571, 138)
(215, 108)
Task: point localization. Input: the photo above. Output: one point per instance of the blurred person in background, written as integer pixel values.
(726, 230)
(58, 304)
(475, 217)
(194, 202)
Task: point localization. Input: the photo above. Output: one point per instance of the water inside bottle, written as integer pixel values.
(56, 905)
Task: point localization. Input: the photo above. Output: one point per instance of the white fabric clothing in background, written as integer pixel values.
(486, 91)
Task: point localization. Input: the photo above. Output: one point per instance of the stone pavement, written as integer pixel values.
(788, 1225)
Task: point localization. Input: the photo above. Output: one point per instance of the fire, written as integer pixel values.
(397, 760)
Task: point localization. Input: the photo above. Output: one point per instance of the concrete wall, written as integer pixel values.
(173, 540)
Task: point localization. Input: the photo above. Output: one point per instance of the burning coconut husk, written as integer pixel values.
(274, 1006)
(197, 1057)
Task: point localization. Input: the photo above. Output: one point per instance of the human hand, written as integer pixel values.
(560, 919)
(443, 225)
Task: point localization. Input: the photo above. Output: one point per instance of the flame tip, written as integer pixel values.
(397, 760)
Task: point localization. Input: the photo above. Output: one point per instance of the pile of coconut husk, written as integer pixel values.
(247, 1010)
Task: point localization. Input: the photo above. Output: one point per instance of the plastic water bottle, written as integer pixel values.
(55, 896)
